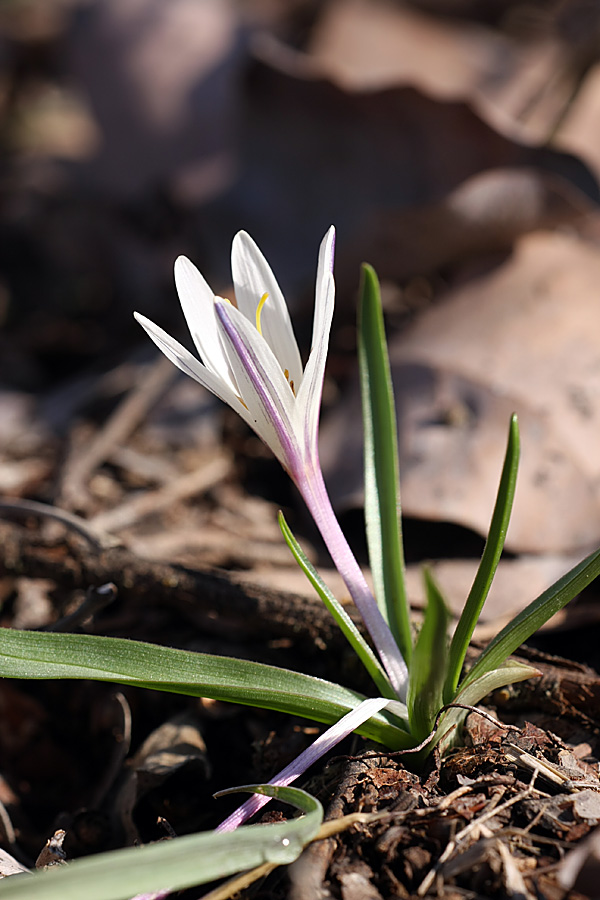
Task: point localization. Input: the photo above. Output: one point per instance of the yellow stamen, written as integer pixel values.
(261, 303)
(286, 372)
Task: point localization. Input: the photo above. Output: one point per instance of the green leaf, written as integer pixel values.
(428, 667)
(448, 730)
(489, 562)
(534, 616)
(183, 862)
(345, 623)
(32, 654)
(382, 483)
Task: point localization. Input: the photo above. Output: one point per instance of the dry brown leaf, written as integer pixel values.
(174, 747)
(521, 339)
(520, 78)
(381, 164)
(482, 216)
(10, 866)
(367, 44)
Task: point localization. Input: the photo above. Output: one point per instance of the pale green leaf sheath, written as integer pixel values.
(171, 865)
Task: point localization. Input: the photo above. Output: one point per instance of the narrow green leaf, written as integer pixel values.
(428, 667)
(489, 562)
(382, 483)
(32, 654)
(345, 623)
(509, 672)
(534, 616)
(184, 862)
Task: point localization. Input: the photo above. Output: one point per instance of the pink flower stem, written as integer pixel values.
(312, 487)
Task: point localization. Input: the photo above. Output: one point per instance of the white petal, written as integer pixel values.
(189, 365)
(262, 384)
(253, 277)
(309, 396)
(323, 311)
(197, 302)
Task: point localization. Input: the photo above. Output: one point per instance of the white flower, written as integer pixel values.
(250, 359)
(249, 356)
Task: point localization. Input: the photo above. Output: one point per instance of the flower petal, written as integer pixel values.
(189, 365)
(323, 744)
(197, 302)
(263, 386)
(309, 396)
(253, 277)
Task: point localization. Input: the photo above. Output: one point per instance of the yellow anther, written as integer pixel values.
(286, 372)
(261, 303)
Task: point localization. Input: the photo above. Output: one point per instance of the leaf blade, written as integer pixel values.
(37, 655)
(183, 862)
(382, 481)
(509, 672)
(537, 613)
(489, 561)
(428, 667)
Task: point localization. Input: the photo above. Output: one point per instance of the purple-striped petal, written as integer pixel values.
(262, 384)
(188, 364)
(309, 396)
(323, 744)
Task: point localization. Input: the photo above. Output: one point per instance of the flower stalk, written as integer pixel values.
(250, 359)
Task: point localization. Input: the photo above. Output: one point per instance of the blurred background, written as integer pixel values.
(454, 144)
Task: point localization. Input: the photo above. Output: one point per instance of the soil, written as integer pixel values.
(134, 505)
(492, 818)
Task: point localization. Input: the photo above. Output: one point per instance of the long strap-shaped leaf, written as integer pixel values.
(184, 862)
(489, 562)
(32, 654)
(429, 663)
(382, 483)
(534, 616)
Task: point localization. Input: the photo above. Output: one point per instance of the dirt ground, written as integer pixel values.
(455, 147)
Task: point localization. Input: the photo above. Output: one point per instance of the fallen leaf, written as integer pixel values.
(175, 747)
(521, 339)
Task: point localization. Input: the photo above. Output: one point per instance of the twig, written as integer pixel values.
(466, 831)
(25, 508)
(122, 746)
(218, 602)
(327, 830)
(7, 825)
(560, 776)
(473, 709)
(96, 598)
(124, 420)
(136, 508)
